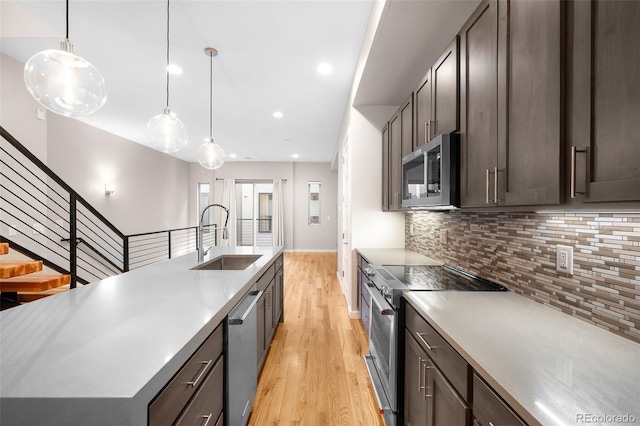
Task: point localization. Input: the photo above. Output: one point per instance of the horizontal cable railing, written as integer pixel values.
(256, 232)
(44, 218)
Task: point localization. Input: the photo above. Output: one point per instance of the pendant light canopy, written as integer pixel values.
(165, 131)
(63, 82)
(211, 155)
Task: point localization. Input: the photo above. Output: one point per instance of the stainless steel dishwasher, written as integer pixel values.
(240, 360)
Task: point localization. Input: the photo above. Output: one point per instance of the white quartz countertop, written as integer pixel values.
(395, 256)
(118, 340)
(552, 369)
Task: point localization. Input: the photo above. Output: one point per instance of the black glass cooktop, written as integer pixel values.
(423, 277)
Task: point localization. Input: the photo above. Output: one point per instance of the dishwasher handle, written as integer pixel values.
(239, 319)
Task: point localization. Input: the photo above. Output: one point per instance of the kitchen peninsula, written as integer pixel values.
(101, 353)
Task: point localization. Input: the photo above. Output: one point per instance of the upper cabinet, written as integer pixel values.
(511, 104)
(385, 168)
(397, 141)
(437, 98)
(603, 77)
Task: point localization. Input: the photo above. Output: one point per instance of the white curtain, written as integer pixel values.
(277, 228)
(229, 201)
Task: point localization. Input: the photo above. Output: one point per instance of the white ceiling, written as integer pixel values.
(269, 51)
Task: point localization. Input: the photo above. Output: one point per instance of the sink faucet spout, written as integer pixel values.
(225, 232)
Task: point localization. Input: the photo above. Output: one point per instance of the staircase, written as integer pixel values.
(21, 281)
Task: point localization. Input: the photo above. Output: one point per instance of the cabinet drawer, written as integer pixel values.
(206, 405)
(279, 262)
(170, 402)
(266, 278)
(365, 313)
(364, 290)
(452, 365)
(488, 407)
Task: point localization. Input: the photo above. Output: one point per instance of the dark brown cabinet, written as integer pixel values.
(197, 390)
(363, 291)
(415, 394)
(604, 100)
(488, 407)
(269, 307)
(436, 377)
(437, 98)
(385, 168)
(406, 127)
(511, 104)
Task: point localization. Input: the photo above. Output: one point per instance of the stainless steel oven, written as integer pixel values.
(386, 285)
(381, 360)
(430, 175)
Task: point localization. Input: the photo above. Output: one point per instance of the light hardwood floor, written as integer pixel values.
(314, 373)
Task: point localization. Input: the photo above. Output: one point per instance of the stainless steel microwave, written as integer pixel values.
(431, 175)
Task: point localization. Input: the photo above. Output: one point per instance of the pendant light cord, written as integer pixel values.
(67, 22)
(211, 98)
(167, 53)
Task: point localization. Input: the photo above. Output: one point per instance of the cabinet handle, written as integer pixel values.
(476, 422)
(426, 388)
(487, 187)
(495, 184)
(202, 371)
(266, 305)
(426, 131)
(574, 151)
(424, 341)
(420, 387)
(207, 419)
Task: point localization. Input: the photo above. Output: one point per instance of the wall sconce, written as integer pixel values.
(109, 188)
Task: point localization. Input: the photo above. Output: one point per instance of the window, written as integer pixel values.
(254, 213)
(314, 203)
(204, 190)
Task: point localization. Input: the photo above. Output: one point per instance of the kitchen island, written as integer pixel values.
(99, 354)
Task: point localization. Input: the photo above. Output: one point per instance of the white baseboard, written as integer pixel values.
(354, 314)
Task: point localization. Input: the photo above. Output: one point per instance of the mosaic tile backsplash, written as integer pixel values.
(518, 250)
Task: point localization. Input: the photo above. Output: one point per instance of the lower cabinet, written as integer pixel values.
(270, 307)
(196, 391)
(430, 399)
(488, 407)
(439, 385)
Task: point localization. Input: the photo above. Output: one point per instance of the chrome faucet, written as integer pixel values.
(225, 232)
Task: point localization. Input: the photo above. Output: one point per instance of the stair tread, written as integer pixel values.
(4, 248)
(31, 296)
(33, 283)
(14, 268)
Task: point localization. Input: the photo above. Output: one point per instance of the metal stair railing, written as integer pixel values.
(44, 218)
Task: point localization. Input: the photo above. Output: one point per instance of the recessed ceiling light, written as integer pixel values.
(232, 155)
(295, 156)
(324, 68)
(174, 69)
(278, 114)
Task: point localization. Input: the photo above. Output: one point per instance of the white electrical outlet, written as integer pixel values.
(564, 259)
(443, 236)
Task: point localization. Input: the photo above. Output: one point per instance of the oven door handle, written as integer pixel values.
(381, 303)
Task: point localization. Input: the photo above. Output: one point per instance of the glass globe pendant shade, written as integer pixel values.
(65, 83)
(166, 132)
(211, 155)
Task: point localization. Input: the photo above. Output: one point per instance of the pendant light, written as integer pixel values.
(210, 155)
(165, 131)
(63, 82)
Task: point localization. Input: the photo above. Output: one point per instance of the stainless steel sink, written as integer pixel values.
(229, 262)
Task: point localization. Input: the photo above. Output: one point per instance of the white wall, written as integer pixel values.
(369, 227)
(321, 237)
(18, 109)
(150, 187)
